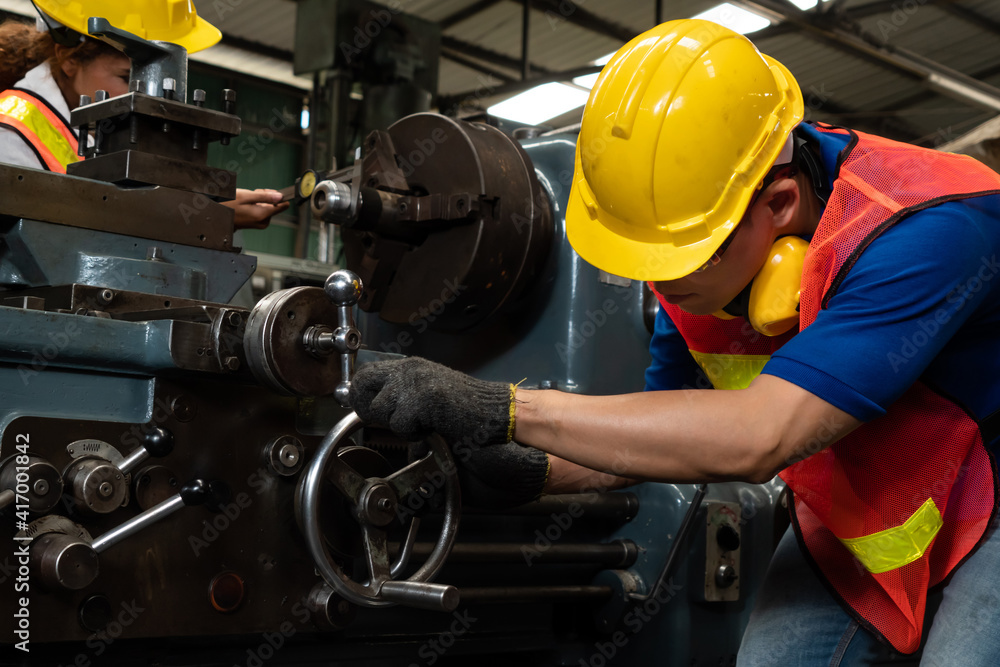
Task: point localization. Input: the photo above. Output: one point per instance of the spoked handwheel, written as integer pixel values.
(374, 502)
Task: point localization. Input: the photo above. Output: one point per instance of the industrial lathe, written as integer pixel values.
(183, 484)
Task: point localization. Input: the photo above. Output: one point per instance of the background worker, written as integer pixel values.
(873, 396)
(44, 70)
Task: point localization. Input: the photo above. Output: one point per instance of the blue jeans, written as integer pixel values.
(796, 622)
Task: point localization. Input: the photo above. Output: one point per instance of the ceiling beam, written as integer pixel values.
(557, 11)
(487, 55)
(466, 13)
(465, 61)
(932, 74)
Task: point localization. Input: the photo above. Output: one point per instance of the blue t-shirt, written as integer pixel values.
(922, 301)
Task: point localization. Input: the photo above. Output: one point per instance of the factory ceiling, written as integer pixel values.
(924, 71)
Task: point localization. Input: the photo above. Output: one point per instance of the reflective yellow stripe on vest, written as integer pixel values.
(35, 121)
(730, 371)
(896, 547)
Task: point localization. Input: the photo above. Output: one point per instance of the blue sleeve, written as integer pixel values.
(901, 304)
(672, 367)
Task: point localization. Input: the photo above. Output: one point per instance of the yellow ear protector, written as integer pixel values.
(771, 301)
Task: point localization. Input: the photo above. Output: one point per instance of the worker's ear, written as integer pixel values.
(781, 200)
(67, 63)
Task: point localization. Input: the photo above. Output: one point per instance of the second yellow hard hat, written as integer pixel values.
(174, 21)
(680, 129)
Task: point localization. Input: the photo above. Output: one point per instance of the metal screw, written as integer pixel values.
(105, 489)
(384, 504)
(154, 253)
(235, 319)
(40, 487)
(100, 96)
(288, 455)
(84, 100)
(169, 88)
(105, 296)
(198, 97)
(231, 363)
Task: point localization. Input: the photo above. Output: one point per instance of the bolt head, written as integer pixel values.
(343, 288)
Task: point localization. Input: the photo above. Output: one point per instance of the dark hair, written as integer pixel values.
(22, 48)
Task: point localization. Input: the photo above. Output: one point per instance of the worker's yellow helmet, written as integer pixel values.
(174, 21)
(681, 127)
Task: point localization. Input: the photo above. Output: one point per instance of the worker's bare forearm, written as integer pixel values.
(683, 436)
(568, 477)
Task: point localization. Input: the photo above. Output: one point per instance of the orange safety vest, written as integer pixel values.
(893, 507)
(45, 130)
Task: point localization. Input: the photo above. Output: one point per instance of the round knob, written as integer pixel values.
(158, 441)
(44, 484)
(725, 576)
(63, 562)
(97, 485)
(343, 288)
(728, 538)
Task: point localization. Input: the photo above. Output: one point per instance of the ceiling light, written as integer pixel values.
(735, 18)
(540, 103)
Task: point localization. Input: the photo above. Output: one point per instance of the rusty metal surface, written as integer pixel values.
(155, 213)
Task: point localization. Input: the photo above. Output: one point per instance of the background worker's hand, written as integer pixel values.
(252, 209)
(501, 476)
(415, 397)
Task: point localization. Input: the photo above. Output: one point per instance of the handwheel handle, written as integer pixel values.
(381, 590)
(438, 597)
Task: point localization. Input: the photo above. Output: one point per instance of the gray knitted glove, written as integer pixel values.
(415, 397)
(501, 476)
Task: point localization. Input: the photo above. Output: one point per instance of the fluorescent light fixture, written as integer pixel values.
(588, 80)
(735, 18)
(806, 4)
(540, 103)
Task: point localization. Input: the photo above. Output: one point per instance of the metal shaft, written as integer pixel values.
(134, 525)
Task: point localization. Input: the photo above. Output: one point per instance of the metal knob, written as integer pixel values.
(344, 289)
(62, 561)
(158, 442)
(37, 480)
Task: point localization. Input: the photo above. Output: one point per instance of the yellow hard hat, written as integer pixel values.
(174, 21)
(681, 127)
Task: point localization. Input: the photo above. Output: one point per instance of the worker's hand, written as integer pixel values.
(252, 209)
(501, 476)
(415, 397)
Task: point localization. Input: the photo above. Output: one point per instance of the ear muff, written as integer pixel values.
(774, 297)
(771, 302)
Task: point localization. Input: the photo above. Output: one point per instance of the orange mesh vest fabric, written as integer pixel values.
(44, 130)
(892, 508)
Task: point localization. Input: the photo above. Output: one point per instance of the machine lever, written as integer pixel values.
(344, 289)
(193, 493)
(67, 561)
(157, 443)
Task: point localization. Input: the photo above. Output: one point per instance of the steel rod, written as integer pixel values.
(520, 594)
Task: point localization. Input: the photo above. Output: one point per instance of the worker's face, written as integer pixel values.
(710, 290)
(105, 72)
